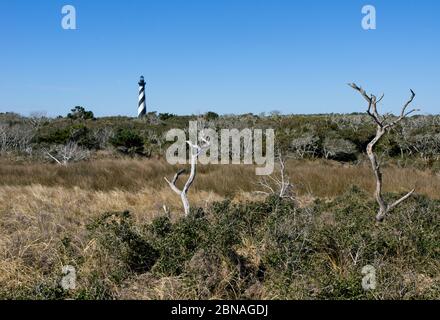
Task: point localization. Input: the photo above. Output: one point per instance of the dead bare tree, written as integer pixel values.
(16, 138)
(383, 126)
(68, 153)
(278, 185)
(195, 152)
(37, 119)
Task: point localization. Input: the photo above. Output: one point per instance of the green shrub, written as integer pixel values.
(166, 116)
(128, 141)
(54, 136)
(78, 133)
(177, 243)
(276, 249)
(79, 113)
(121, 239)
(209, 116)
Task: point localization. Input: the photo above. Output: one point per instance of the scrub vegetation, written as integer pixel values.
(89, 192)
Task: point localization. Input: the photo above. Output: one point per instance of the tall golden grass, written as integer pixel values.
(42, 203)
(318, 178)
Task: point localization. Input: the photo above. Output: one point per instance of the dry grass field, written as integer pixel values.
(40, 204)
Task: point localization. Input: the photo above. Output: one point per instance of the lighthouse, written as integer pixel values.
(142, 108)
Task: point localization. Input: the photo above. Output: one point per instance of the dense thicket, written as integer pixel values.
(260, 250)
(332, 136)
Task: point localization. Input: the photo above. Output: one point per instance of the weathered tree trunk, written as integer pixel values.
(195, 151)
(382, 127)
(378, 174)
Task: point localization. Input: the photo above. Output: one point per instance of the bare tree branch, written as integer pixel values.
(382, 127)
(68, 153)
(172, 184)
(195, 152)
(53, 158)
(279, 185)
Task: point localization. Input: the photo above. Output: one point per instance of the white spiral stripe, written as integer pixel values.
(141, 96)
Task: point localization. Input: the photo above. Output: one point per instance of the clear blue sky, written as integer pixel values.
(228, 56)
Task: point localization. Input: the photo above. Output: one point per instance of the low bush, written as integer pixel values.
(128, 142)
(260, 250)
(121, 240)
(273, 249)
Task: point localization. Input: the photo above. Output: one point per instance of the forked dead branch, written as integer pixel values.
(278, 185)
(383, 126)
(68, 153)
(195, 152)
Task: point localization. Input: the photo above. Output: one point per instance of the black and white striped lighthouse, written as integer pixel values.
(142, 107)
